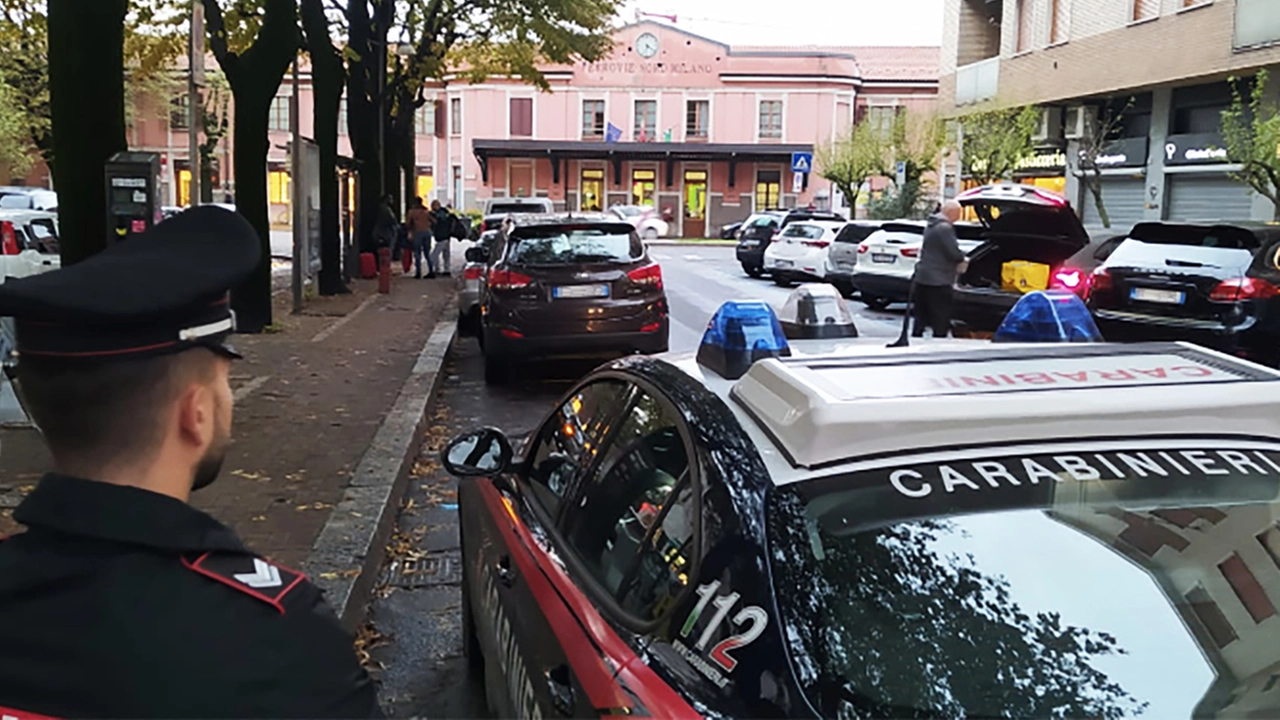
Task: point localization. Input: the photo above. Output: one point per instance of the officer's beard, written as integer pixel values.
(210, 465)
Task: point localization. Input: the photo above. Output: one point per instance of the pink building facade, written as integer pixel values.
(702, 131)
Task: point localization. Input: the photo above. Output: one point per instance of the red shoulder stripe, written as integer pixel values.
(11, 714)
(251, 575)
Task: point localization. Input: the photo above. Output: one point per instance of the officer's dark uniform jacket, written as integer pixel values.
(120, 602)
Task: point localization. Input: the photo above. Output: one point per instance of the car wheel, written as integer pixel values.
(875, 303)
(845, 290)
(781, 280)
(650, 233)
(752, 271)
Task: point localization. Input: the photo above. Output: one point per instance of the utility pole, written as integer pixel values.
(382, 109)
(295, 190)
(195, 107)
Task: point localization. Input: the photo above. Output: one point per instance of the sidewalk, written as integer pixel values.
(310, 398)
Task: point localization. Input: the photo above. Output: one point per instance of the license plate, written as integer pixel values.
(845, 266)
(880, 258)
(750, 243)
(1169, 297)
(783, 263)
(580, 291)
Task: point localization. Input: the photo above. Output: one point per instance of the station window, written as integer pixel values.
(521, 117)
(278, 187)
(770, 118)
(646, 125)
(643, 186)
(697, 116)
(455, 116)
(768, 189)
(426, 183)
(278, 120)
(424, 120)
(592, 190)
(592, 118)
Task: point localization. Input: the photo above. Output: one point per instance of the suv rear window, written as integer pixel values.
(570, 245)
(1106, 581)
(802, 230)
(855, 233)
(525, 207)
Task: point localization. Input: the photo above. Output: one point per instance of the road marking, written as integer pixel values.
(692, 257)
(324, 334)
(263, 575)
(246, 389)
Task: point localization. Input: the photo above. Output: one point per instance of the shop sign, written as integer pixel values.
(645, 68)
(1197, 149)
(1055, 160)
(1130, 152)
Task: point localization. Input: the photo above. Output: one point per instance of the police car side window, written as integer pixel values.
(565, 445)
(632, 525)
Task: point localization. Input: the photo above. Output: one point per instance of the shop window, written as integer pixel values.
(1145, 9)
(278, 187)
(646, 125)
(592, 190)
(695, 194)
(424, 120)
(180, 112)
(634, 526)
(697, 117)
(643, 186)
(426, 184)
(184, 187)
(593, 119)
(768, 189)
(278, 119)
(455, 117)
(770, 118)
(521, 117)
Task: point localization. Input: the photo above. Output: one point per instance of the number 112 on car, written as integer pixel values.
(752, 619)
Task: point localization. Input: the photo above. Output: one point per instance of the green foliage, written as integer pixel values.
(850, 161)
(995, 140)
(1251, 129)
(898, 203)
(916, 139)
(16, 149)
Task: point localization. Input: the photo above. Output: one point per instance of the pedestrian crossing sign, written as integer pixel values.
(801, 162)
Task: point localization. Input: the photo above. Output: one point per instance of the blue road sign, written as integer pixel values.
(801, 162)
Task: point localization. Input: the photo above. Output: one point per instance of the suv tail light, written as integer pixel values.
(472, 273)
(508, 280)
(910, 252)
(649, 275)
(1099, 279)
(1237, 289)
(863, 249)
(816, 243)
(8, 239)
(1069, 278)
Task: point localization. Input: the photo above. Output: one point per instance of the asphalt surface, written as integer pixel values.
(418, 638)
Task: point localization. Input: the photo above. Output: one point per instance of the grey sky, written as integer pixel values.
(804, 22)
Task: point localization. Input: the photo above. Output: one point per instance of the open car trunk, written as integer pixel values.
(1033, 234)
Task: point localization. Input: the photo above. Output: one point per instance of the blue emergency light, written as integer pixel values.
(740, 334)
(1048, 317)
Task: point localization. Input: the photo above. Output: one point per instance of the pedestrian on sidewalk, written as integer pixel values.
(443, 226)
(419, 221)
(386, 226)
(941, 260)
(121, 599)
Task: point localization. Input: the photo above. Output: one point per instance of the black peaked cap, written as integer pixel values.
(162, 291)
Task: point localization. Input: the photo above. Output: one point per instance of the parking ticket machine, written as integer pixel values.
(133, 194)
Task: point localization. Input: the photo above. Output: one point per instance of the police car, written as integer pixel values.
(795, 523)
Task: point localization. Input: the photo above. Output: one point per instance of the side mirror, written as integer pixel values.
(477, 453)
(477, 255)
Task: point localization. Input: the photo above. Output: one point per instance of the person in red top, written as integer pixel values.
(420, 221)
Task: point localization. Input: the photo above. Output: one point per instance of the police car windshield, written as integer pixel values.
(1109, 581)
(565, 245)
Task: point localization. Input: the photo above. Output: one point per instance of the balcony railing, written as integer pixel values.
(977, 81)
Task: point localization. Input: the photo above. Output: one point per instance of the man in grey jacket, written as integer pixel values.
(941, 259)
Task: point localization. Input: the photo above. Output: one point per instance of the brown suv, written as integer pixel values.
(569, 285)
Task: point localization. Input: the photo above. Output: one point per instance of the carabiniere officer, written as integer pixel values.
(120, 599)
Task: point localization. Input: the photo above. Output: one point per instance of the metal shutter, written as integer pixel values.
(1125, 200)
(1208, 197)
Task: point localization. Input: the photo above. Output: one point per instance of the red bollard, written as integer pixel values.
(368, 266)
(384, 270)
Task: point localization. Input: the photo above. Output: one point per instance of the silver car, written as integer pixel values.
(473, 283)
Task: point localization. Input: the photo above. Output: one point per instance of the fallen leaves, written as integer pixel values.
(248, 475)
(353, 572)
(368, 639)
(314, 506)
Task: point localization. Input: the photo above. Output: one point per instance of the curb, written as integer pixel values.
(700, 243)
(355, 536)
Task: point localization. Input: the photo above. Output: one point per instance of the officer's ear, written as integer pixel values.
(197, 379)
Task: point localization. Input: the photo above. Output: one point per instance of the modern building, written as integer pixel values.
(1163, 65)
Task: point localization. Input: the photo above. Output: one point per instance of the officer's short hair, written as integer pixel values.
(94, 416)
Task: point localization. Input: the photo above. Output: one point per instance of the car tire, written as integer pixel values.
(782, 280)
(752, 271)
(650, 233)
(875, 303)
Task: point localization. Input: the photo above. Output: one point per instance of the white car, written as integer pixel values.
(644, 218)
(28, 243)
(887, 259)
(801, 251)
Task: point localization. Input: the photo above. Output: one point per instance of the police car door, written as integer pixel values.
(536, 652)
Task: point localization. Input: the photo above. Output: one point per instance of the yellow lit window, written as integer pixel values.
(278, 187)
(184, 187)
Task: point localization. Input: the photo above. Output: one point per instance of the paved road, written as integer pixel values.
(424, 674)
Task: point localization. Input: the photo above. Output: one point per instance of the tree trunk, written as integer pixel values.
(1094, 183)
(255, 76)
(326, 79)
(363, 115)
(86, 80)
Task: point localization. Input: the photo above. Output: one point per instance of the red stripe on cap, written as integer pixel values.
(98, 353)
(659, 698)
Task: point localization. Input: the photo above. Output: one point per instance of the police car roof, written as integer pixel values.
(836, 402)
